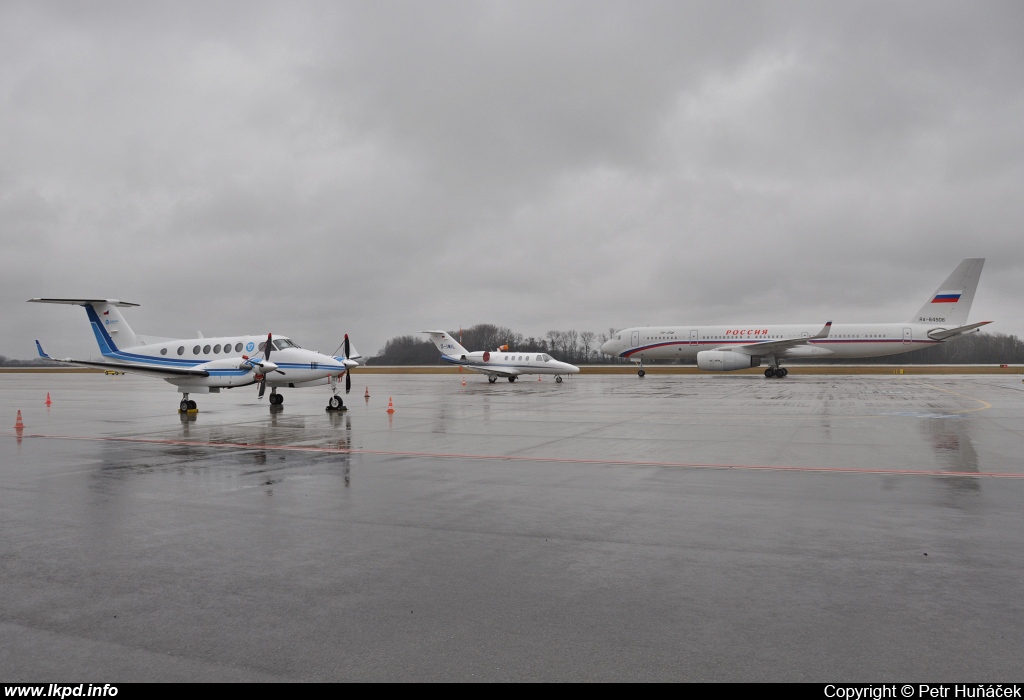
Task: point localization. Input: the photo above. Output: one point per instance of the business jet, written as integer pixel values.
(501, 362)
(741, 346)
(207, 365)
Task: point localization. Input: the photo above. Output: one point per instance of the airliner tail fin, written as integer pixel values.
(952, 301)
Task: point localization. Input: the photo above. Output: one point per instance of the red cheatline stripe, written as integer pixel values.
(519, 458)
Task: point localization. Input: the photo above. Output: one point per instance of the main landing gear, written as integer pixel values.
(336, 404)
(491, 378)
(186, 405)
(779, 372)
(558, 378)
(275, 398)
(511, 379)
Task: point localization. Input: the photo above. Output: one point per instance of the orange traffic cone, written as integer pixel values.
(18, 425)
(48, 402)
(538, 377)
(463, 381)
(367, 394)
(391, 407)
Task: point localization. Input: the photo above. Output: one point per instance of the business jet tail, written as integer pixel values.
(108, 325)
(446, 344)
(951, 302)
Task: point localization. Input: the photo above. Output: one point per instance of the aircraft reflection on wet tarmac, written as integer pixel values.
(692, 528)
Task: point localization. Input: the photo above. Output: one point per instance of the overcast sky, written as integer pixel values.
(380, 168)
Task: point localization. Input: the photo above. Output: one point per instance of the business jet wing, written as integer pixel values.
(775, 347)
(944, 334)
(128, 367)
(500, 372)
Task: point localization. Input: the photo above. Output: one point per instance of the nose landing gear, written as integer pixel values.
(640, 372)
(336, 404)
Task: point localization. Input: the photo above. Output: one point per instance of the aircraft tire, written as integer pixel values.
(192, 405)
(511, 379)
(783, 371)
(558, 379)
(335, 403)
(183, 406)
(769, 373)
(641, 373)
(492, 379)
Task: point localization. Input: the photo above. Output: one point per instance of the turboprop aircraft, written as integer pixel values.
(501, 362)
(207, 365)
(741, 346)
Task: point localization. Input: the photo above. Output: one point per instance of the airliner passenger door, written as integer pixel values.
(907, 336)
(636, 338)
(693, 337)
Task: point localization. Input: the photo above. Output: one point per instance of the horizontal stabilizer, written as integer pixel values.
(84, 302)
(944, 334)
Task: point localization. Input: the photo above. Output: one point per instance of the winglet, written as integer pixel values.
(42, 353)
(823, 333)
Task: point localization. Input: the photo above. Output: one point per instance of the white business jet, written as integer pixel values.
(207, 365)
(741, 346)
(501, 362)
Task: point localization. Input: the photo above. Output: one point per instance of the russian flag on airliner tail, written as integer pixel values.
(946, 298)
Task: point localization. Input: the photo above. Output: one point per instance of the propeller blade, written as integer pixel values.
(266, 348)
(263, 386)
(348, 381)
(348, 347)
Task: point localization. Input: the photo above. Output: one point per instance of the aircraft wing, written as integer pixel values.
(129, 367)
(943, 334)
(501, 372)
(774, 347)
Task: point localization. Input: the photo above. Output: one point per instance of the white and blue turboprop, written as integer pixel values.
(501, 362)
(742, 346)
(207, 365)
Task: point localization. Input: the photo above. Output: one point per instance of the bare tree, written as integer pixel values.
(587, 342)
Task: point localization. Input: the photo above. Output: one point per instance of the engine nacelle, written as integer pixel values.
(725, 361)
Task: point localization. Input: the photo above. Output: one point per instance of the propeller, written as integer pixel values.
(264, 367)
(349, 364)
(348, 374)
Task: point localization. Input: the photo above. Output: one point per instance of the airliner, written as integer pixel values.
(501, 362)
(742, 346)
(207, 365)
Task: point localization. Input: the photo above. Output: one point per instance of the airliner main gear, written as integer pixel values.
(491, 378)
(512, 378)
(558, 379)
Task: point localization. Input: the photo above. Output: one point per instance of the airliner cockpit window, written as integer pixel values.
(547, 358)
(540, 358)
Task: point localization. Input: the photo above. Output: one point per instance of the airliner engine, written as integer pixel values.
(725, 361)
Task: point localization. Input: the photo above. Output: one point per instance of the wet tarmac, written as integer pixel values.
(686, 528)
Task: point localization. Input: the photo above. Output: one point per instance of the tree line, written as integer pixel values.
(584, 347)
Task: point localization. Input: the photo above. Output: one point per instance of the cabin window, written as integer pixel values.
(227, 348)
(163, 351)
(238, 347)
(216, 349)
(206, 350)
(195, 350)
(181, 349)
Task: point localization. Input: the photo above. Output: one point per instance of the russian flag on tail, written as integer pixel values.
(946, 298)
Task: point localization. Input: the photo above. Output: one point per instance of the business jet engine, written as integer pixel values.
(725, 361)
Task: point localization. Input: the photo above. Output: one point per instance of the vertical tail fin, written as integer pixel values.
(951, 302)
(446, 344)
(108, 325)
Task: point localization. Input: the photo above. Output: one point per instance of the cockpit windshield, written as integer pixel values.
(282, 343)
(544, 358)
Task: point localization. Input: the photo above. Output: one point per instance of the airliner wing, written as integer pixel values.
(774, 347)
(129, 367)
(499, 371)
(943, 334)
